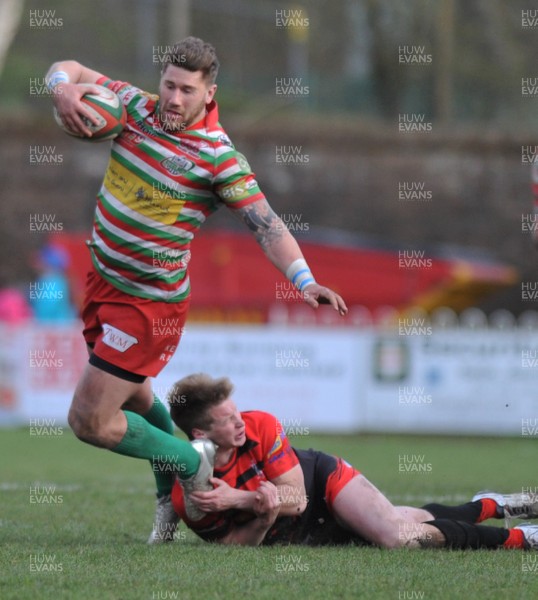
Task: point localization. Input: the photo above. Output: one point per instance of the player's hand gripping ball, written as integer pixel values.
(107, 108)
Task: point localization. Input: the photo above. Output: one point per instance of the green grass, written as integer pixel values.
(94, 536)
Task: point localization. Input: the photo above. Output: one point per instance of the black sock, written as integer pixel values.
(461, 535)
(468, 513)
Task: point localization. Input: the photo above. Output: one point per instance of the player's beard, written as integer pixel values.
(174, 122)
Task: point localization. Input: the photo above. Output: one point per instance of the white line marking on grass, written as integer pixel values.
(417, 498)
(15, 486)
(7, 486)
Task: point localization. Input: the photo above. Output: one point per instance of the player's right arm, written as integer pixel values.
(62, 78)
(266, 507)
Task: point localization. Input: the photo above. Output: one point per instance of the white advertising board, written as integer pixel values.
(308, 378)
(313, 379)
(453, 382)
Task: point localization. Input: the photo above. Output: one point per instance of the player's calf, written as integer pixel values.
(90, 428)
(82, 427)
(460, 535)
(417, 535)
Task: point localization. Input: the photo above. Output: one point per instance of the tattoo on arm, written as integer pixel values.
(263, 222)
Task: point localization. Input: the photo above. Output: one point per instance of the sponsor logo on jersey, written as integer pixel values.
(146, 128)
(117, 339)
(138, 195)
(132, 137)
(254, 467)
(239, 191)
(175, 165)
(193, 147)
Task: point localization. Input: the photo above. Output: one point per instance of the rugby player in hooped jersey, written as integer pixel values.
(267, 492)
(170, 168)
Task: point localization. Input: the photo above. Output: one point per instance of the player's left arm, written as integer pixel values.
(283, 251)
(291, 492)
(290, 488)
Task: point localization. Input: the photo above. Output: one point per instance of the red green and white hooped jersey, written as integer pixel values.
(158, 189)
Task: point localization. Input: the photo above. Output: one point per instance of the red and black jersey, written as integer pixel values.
(266, 454)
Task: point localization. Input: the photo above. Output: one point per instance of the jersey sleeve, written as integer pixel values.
(277, 454)
(234, 181)
(132, 98)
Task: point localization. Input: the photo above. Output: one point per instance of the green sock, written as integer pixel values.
(167, 453)
(159, 417)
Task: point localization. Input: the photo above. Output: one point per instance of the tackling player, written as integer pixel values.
(267, 492)
(171, 167)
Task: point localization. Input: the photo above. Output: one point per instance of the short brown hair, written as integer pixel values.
(191, 397)
(193, 54)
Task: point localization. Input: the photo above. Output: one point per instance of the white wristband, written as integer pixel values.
(56, 78)
(299, 274)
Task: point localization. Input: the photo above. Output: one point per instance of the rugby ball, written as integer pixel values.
(108, 109)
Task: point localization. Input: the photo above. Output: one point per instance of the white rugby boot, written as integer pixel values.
(165, 521)
(530, 533)
(513, 506)
(200, 481)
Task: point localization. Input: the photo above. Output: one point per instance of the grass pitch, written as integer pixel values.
(74, 521)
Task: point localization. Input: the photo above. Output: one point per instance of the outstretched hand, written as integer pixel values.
(315, 294)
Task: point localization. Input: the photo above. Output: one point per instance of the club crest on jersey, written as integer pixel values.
(224, 139)
(175, 165)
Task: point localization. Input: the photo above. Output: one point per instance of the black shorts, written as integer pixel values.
(324, 475)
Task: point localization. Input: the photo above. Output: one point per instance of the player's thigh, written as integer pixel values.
(142, 399)
(360, 506)
(100, 395)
